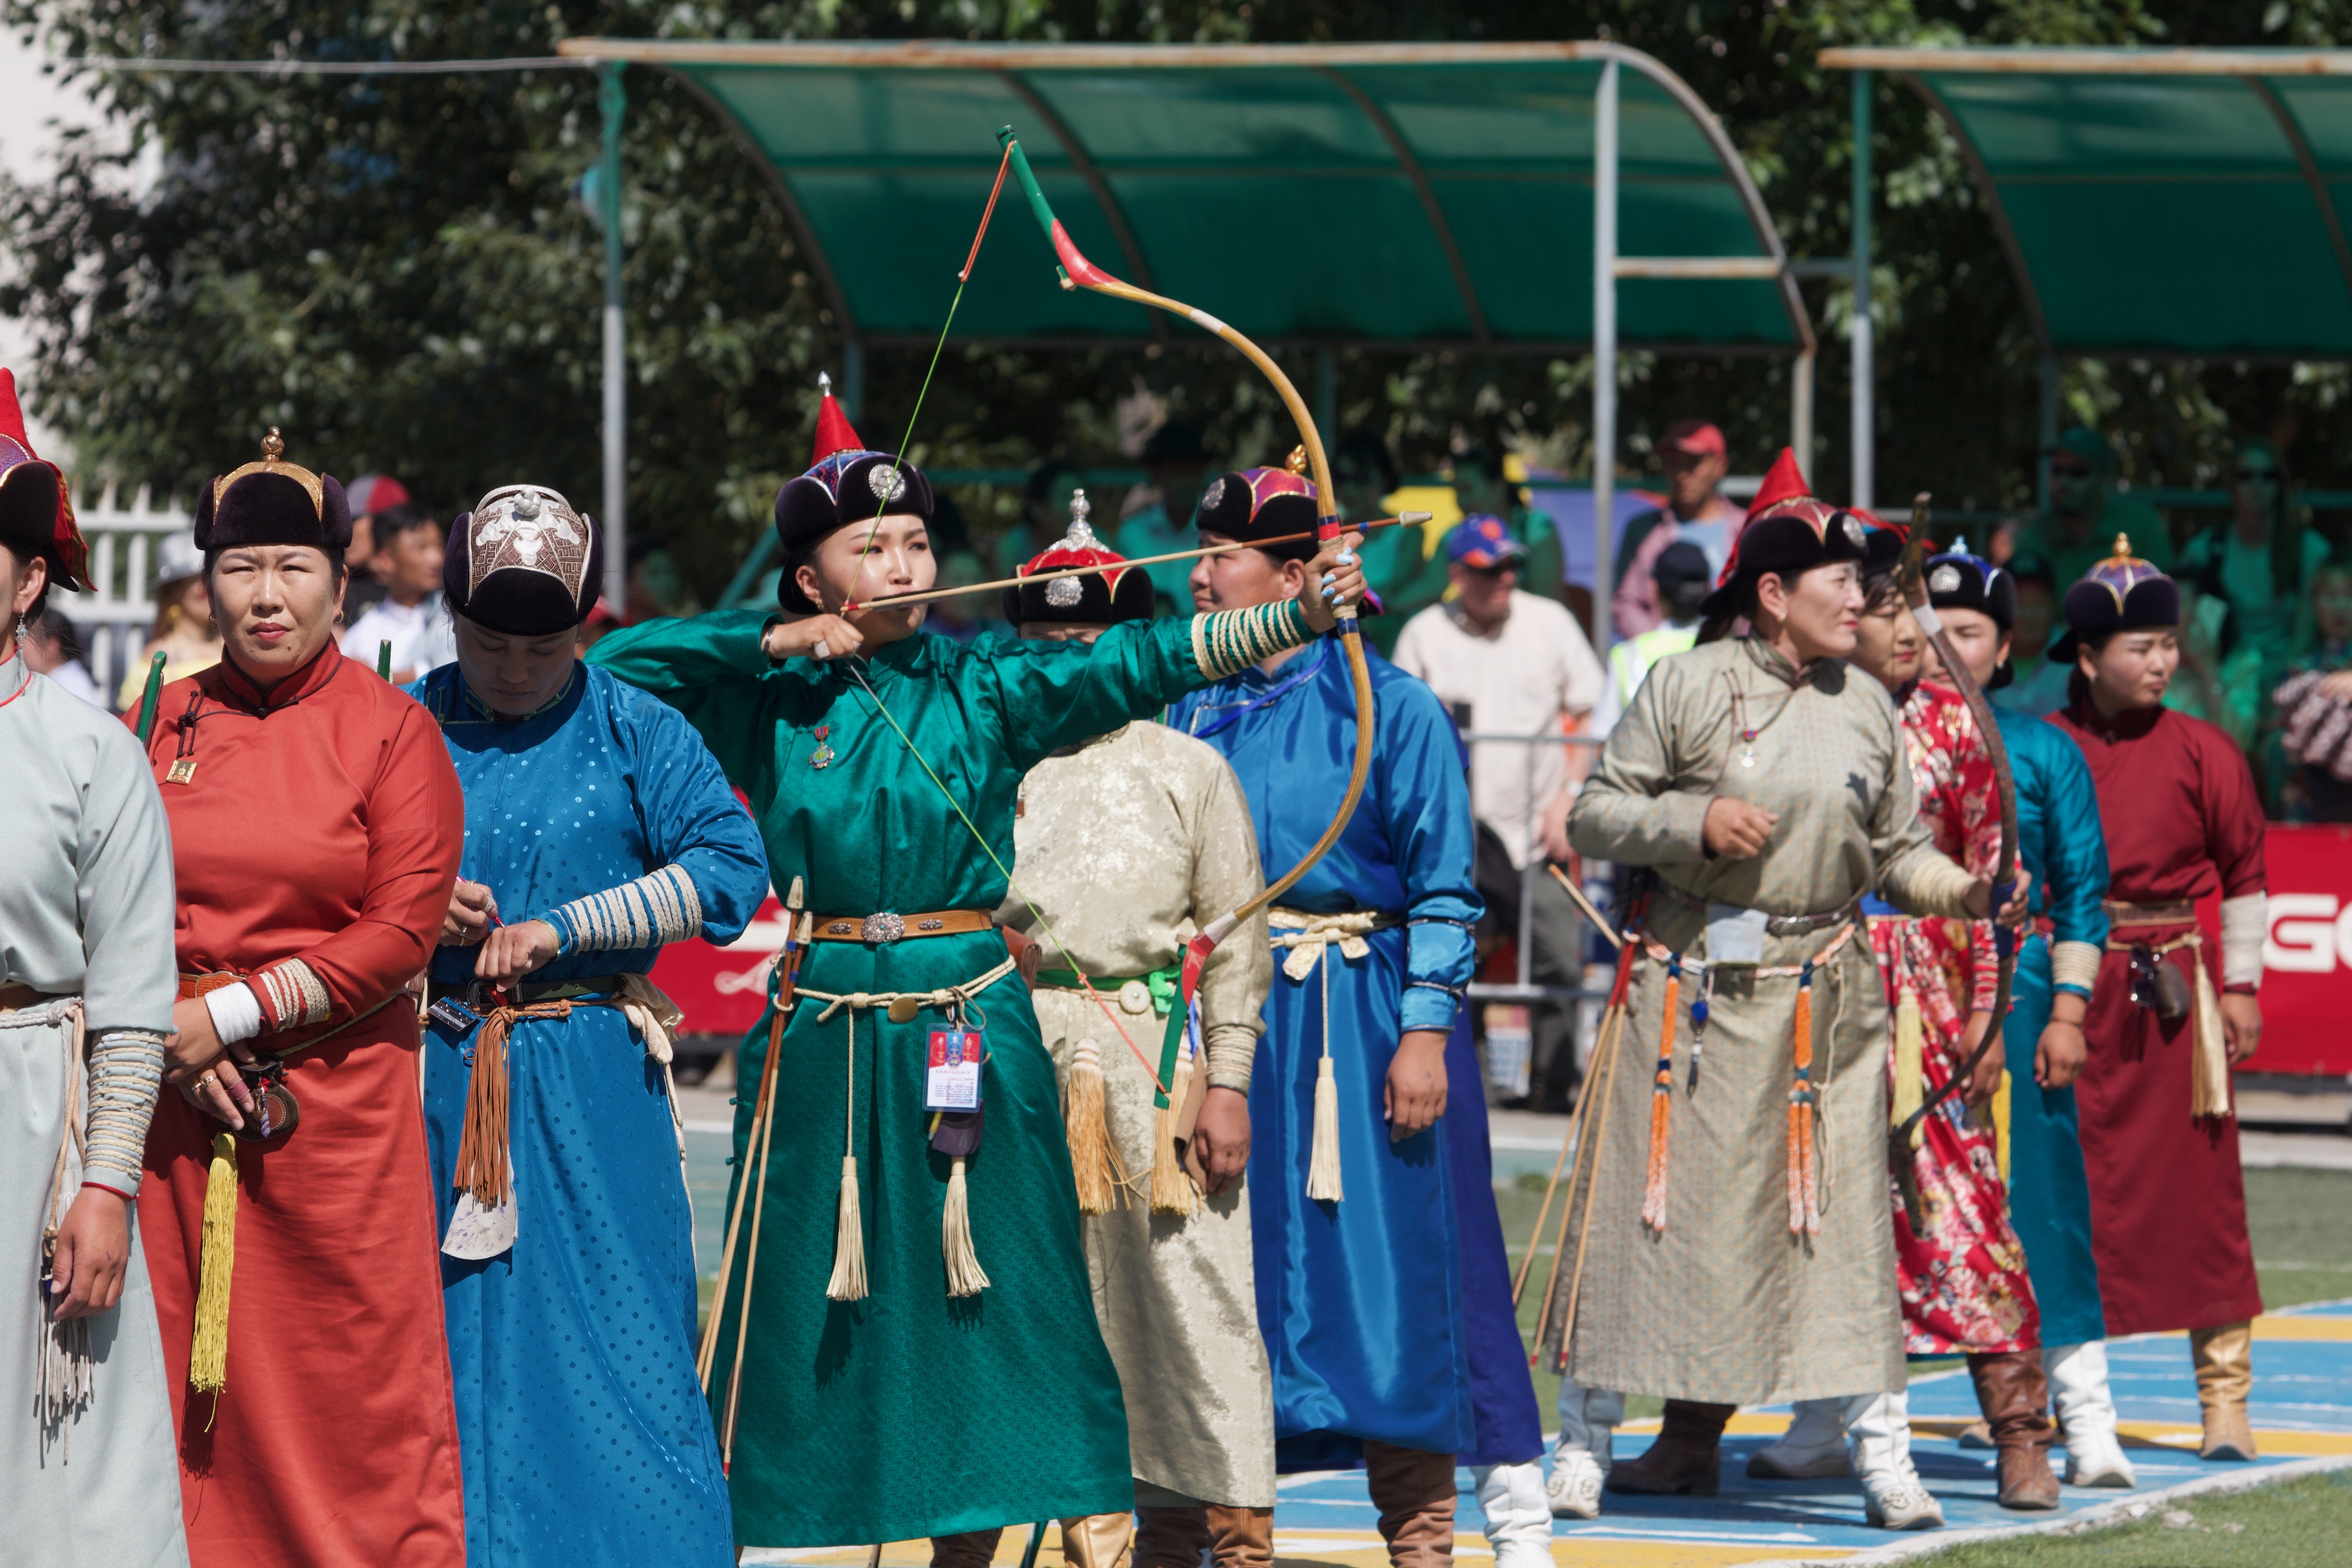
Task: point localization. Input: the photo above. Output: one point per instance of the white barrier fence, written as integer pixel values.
(113, 620)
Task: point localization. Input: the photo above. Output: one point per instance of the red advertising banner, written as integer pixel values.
(2307, 953)
(723, 990)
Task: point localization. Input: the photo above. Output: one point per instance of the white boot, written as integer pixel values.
(1588, 1424)
(2086, 1415)
(1812, 1446)
(1879, 1437)
(1518, 1514)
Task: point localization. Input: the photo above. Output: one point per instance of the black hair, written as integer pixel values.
(53, 625)
(1363, 451)
(394, 520)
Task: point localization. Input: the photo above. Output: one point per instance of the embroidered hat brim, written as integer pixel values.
(523, 563)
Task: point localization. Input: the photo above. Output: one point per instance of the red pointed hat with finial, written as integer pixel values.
(832, 431)
(1787, 532)
(35, 508)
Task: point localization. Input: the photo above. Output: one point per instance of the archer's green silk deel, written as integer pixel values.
(910, 1412)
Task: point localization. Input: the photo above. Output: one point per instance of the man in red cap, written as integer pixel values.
(1692, 455)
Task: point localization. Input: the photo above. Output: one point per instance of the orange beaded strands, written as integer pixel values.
(1654, 1191)
(1804, 1175)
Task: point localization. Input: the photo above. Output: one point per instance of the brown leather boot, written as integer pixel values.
(1685, 1458)
(966, 1548)
(1413, 1489)
(1172, 1537)
(1098, 1540)
(2014, 1395)
(1241, 1537)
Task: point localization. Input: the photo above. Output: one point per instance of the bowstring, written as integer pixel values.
(1006, 872)
(899, 461)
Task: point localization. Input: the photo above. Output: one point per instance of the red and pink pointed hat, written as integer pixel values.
(1785, 481)
(36, 510)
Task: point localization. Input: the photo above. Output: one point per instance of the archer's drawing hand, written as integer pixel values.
(818, 636)
(1335, 577)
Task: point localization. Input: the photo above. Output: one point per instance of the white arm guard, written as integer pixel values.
(2075, 963)
(2245, 920)
(236, 1013)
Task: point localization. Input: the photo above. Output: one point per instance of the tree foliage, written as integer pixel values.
(399, 272)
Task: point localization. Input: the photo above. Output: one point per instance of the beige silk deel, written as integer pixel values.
(1725, 1304)
(1125, 846)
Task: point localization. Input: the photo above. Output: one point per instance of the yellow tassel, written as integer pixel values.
(1172, 1191)
(2209, 1067)
(2000, 1125)
(1910, 1064)
(209, 1355)
(1093, 1161)
(1323, 1157)
(848, 1281)
(1662, 1086)
(965, 1277)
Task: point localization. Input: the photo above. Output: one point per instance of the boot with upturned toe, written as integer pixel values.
(2224, 1358)
(2015, 1398)
(1686, 1460)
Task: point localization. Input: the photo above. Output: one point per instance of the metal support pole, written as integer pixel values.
(611, 100)
(1605, 349)
(1865, 456)
(853, 380)
(1800, 408)
(1327, 395)
(2047, 430)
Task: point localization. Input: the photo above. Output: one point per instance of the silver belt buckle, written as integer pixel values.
(881, 930)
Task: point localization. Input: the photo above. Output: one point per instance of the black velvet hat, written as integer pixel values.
(1098, 599)
(523, 563)
(1255, 504)
(36, 509)
(1959, 580)
(2121, 594)
(273, 502)
(846, 483)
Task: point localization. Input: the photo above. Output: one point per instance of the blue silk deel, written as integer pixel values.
(1508, 1427)
(1360, 1301)
(2061, 842)
(583, 1433)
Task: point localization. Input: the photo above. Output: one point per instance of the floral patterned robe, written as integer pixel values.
(1963, 1284)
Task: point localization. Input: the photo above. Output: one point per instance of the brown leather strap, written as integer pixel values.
(15, 996)
(883, 928)
(2175, 914)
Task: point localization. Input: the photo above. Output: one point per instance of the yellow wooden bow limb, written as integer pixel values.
(1077, 272)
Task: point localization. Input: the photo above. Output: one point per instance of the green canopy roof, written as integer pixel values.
(2159, 201)
(1327, 194)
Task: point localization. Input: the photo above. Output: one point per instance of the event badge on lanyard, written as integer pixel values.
(951, 1082)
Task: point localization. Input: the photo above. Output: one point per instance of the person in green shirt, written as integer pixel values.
(1481, 485)
(921, 1358)
(2087, 512)
(2257, 560)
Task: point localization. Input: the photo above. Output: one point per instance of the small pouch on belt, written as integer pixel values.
(2160, 986)
(1734, 936)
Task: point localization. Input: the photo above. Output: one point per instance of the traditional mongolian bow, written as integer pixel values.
(2004, 878)
(1077, 272)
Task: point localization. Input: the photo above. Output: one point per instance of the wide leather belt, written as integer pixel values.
(2175, 914)
(13, 997)
(881, 930)
(478, 993)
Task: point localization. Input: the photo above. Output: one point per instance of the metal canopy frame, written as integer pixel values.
(1011, 65)
(2258, 70)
